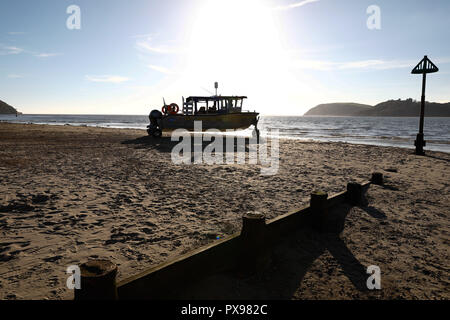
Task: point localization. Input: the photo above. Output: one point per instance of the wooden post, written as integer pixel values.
(98, 281)
(255, 247)
(377, 178)
(319, 210)
(354, 193)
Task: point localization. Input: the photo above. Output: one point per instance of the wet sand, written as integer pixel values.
(72, 193)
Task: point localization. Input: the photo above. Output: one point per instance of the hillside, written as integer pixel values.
(338, 109)
(390, 108)
(409, 108)
(6, 108)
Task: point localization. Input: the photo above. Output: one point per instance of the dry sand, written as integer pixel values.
(72, 193)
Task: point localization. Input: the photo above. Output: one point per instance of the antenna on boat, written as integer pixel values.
(164, 101)
(207, 91)
(216, 86)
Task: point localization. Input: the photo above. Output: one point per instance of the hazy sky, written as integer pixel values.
(286, 56)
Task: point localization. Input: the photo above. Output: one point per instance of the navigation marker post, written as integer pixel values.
(423, 67)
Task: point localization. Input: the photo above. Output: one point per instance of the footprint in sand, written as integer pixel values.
(48, 223)
(52, 259)
(147, 230)
(149, 224)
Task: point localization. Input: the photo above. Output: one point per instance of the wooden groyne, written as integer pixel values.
(246, 252)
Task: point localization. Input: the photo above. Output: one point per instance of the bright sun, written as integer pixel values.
(237, 43)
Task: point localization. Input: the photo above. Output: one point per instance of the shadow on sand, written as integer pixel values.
(165, 144)
(437, 158)
(292, 258)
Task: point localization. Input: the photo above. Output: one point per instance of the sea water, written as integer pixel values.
(383, 131)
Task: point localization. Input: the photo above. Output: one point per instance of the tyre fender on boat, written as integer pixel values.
(173, 108)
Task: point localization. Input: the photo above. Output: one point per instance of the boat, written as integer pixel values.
(215, 112)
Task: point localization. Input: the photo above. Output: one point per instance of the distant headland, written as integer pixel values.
(390, 108)
(7, 109)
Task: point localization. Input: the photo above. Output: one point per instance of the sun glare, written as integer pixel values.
(238, 44)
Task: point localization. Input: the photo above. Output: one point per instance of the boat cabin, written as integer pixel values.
(212, 105)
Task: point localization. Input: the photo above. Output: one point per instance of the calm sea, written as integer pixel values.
(384, 131)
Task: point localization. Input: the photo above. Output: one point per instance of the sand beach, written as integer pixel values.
(70, 193)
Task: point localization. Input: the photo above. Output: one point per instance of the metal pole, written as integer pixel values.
(422, 106)
(420, 142)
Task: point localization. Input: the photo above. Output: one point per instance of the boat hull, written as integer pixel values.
(222, 122)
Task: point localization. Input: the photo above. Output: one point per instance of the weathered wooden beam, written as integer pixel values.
(98, 281)
(377, 178)
(354, 193)
(255, 249)
(319, 209)
(162, 281)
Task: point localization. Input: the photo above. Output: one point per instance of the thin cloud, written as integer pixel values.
(147, 36)
(148, 46)
(107, 78)
(15, 76)
(295, 5)
(441, 60)
(16, 33)
(7, 50)
(13, 50)
(47, 55)
(361, 64)
(160, 69)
